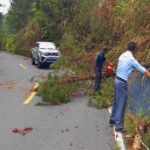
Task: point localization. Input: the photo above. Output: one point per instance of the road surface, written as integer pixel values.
(84, 127)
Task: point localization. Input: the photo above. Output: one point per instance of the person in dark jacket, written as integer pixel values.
(99, 65)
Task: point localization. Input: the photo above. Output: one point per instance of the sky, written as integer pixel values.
(4, 9)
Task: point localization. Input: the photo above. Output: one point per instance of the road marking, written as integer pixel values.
(119, 137)
(22, 66)
(31, 95)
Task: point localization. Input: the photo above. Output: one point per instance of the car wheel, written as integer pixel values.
(33, 61)
(39, 63)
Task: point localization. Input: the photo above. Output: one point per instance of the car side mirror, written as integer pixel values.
(58, 48)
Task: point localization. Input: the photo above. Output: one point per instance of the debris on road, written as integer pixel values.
(65, 109)
(9, 85)
(62, 130)
(67, 129)
(62, 113)
(111, 133)
(23, 132)
(58, 103)
(71, 144)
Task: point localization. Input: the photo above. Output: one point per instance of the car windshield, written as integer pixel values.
(47, 46)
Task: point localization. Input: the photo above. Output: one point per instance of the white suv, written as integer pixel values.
(44, 53)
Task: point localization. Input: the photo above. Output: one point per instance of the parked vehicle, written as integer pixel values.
(44, 53)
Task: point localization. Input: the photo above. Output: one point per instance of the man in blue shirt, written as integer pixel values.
(98, 65)
(126, 64)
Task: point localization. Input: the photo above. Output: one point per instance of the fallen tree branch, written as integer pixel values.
(81, 78)
(23, 132)
(78, 78)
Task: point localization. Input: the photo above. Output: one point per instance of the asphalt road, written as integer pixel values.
(84, 127)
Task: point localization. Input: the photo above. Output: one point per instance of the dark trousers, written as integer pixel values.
(98, 78)
(119, 106)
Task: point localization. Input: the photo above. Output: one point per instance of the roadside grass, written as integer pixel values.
(131, 123)
(146, 139)
(39, 104)
(131, 126)
(91, 102)
(104, 97)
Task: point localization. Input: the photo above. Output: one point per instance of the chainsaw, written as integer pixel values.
(110, 72)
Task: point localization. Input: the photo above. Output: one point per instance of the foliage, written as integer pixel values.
(142, 115)
(18, 15)
(146, 139)
(52, 17)
(90, 102)
(34, 20)
(53, 92)
(10, 44)
(27, 37)
(84, 26)
(105, 95)
(130, 124)
(2, 34)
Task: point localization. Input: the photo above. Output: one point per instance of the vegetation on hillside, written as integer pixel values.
(79, 28)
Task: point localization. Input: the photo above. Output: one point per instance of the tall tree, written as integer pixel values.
(19, 13)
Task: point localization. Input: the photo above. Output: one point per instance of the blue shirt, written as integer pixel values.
(126, 64)
(100, 59)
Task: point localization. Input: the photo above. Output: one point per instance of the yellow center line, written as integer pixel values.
(22, 66)
(31, 95)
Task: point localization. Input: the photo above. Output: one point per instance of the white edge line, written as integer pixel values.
(119, 136)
